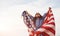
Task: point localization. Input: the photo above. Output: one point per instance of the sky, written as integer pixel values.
(11, 22)
(7, 3)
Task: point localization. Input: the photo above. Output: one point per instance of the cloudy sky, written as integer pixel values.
(11, 23)
(7, 3)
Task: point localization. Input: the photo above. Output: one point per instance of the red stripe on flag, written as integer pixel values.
(45, 34)
(50, 19)
(52, 23)
(49, 28)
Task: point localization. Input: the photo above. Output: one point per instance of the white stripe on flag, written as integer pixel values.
(49, 33)
(51, 21)
(46, 31)
(41, 29)
(45, 18)
(49, 25)
(50, 17)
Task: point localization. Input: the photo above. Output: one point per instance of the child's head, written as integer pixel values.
(38, 15)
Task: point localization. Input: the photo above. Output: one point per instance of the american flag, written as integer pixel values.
(47, 28)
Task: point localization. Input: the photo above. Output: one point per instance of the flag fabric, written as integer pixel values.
(47, 28)
(27, 18)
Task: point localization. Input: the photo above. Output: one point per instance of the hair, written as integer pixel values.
(38, 14)
(34, 19)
